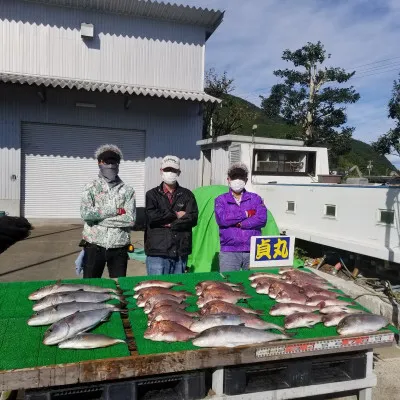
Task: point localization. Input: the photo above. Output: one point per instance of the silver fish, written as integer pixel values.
(89, 341)
(74, 324)
(360, 324)
(210, 321)
(84, 297)
(55, 313)
(233, 336)
(67, 287)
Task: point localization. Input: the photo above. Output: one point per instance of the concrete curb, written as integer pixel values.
(373, 303)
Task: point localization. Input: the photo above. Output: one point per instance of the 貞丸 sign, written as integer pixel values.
(271, 251)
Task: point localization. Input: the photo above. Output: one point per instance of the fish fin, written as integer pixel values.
(121, 299)
(105, 319)
(259, 312)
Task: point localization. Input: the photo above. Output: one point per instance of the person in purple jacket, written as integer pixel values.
(240, 215)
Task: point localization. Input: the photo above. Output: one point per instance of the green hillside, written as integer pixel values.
(359, 155)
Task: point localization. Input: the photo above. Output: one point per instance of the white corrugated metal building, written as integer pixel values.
(75, 74)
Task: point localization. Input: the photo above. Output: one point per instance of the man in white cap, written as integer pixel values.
(171, 213)
(108, 207)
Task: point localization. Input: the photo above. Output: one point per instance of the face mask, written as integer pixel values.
(109, 171)
(169, 177)
(237, 185)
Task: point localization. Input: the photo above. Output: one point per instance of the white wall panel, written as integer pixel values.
(172, 127)
(45, 40)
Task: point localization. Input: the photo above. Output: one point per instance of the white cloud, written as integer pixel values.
(250, 40)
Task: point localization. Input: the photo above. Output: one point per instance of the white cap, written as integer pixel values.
(171, 162)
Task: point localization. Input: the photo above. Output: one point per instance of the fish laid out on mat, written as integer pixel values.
(248, 320)
(206, 286)
(80, 297)
(232, 336)
(360, 324)
(291, 308)
(168, 331)
(75, 324)
(89, 341)
(333, 319)
(219, 306)
(155, 283)
(152, 301)
(258, 275)
(180, 318)
(335, 309)
(55, 313)
(146, 293)
(229, 296)
(302, 320)
(149, 307)
(68, 287)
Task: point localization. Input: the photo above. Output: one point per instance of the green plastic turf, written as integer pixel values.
(138, 318)
(21, 345)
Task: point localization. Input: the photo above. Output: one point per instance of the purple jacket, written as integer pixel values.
(228, 214)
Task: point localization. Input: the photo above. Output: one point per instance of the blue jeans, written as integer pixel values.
(165, 265)
(233, 261)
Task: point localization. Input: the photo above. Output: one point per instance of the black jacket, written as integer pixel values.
(174, 241)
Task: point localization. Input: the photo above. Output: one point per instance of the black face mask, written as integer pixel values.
(110, 173)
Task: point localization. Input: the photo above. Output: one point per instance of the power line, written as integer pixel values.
(375, 62)
(376, 73)
(380, 67)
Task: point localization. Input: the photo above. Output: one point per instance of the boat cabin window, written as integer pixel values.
(330, 210)
(283, 162)
(386, 217)
(291, 206)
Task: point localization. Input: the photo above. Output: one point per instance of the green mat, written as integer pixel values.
(21, 345)
(138, 319)
(205, 243)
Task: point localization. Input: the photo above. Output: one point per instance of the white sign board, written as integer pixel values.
(271, 251)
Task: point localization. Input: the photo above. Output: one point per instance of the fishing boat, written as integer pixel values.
(308, 200)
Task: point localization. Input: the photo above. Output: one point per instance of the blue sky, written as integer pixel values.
(360, 34)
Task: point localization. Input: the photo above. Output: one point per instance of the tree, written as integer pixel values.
(227, 117)
(389, 143)
(307, 100)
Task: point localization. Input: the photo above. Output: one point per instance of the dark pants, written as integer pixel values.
(96, 257)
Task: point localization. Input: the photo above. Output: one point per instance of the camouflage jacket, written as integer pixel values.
(99, 204)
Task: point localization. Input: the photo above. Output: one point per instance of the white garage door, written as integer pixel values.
(58, 160)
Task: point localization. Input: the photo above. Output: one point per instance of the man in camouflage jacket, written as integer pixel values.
(108, 208)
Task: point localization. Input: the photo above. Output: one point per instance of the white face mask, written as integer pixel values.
(169, 177)
(237, 185)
